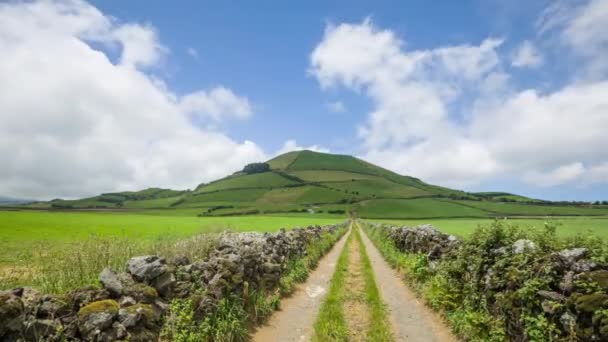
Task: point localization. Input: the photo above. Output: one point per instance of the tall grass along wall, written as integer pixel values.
(237, 284)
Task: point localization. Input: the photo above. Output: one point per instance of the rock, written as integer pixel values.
(600, 277)
(551, 295)
(568, 321)
(523, 245)
(180, 261)
(52, 307)
(164, 283)
(127, 301)
(570, 256)
(582, 266)
(141, 293)
(548, 306)
(110, 281)
(146, 268)
(591, 302)
(12, 314)
(96, 317)
(41, 329)
(567, 282)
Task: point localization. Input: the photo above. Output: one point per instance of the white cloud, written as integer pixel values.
(192, 52)
(291, 145)
(218, 103)
(416, 126)
(336, 107)
(581, 26)
(527, 55)
(74, 123)
(557, 176)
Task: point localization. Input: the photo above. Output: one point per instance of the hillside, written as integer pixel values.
(313, 182)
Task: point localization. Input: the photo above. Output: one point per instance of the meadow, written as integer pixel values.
(463, 227)
(59, 250)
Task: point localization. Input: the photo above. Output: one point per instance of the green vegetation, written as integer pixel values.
(490, 296)
(59, 250)
(379, 329)
(330, 324)
(415, 208)
(305, 180)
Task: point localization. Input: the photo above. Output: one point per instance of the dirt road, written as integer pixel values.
(410, 319)
(294, 322)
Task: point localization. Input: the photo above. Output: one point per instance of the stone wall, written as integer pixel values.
(130, 305)
(566, 289)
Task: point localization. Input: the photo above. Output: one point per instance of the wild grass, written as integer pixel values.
(57, 251)
(330, 324)
(379, 330)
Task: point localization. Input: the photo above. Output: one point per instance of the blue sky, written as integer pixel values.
(477, 95)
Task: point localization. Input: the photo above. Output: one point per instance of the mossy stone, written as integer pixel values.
(591, 302)
(600, 277)
(107, 305)
(144, 309)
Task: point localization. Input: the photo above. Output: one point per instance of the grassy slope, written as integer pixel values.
(416, 208)
(298, 180)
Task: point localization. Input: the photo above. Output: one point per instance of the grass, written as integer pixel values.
(415, 208)
(330, 324)
(57, 250)
(258, 180)
(379, 328)
(566, 226)
(379, 187)
(532, 210)
(329, 175)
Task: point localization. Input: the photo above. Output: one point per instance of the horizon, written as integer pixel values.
(101, 97)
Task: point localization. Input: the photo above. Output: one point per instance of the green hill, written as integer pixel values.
(307, 181)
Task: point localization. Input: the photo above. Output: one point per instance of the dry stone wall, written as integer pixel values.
(523, 284)
(130, 305)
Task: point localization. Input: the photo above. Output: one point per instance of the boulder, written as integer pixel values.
(570, 256)
(96, 317)
(110, 281)
(146, 268)
(41, 329)
(551, 295)
(12, 314)
(523, 245)
(164, 283)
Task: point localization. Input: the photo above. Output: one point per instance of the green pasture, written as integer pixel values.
(20, 231)
(566, 226)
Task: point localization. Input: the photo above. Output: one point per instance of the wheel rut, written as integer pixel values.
(294, 321)
(410, 319)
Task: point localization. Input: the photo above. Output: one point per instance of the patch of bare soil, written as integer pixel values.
(356, 311)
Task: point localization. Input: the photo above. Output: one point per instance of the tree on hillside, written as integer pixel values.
(256, 168)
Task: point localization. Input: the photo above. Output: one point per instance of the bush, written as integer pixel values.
(256, 168)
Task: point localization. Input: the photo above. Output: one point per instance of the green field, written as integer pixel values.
(20, 230)
(566, 226)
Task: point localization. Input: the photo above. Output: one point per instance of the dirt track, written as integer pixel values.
(294, 322)
(409, 318)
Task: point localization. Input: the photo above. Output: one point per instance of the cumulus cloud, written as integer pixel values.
(417, 125)
(292, 145)
(76, 123)
(219, 103)
(527, 56)
(192, 52)
(336, 107)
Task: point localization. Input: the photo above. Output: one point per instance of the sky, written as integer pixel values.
(479, 95)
